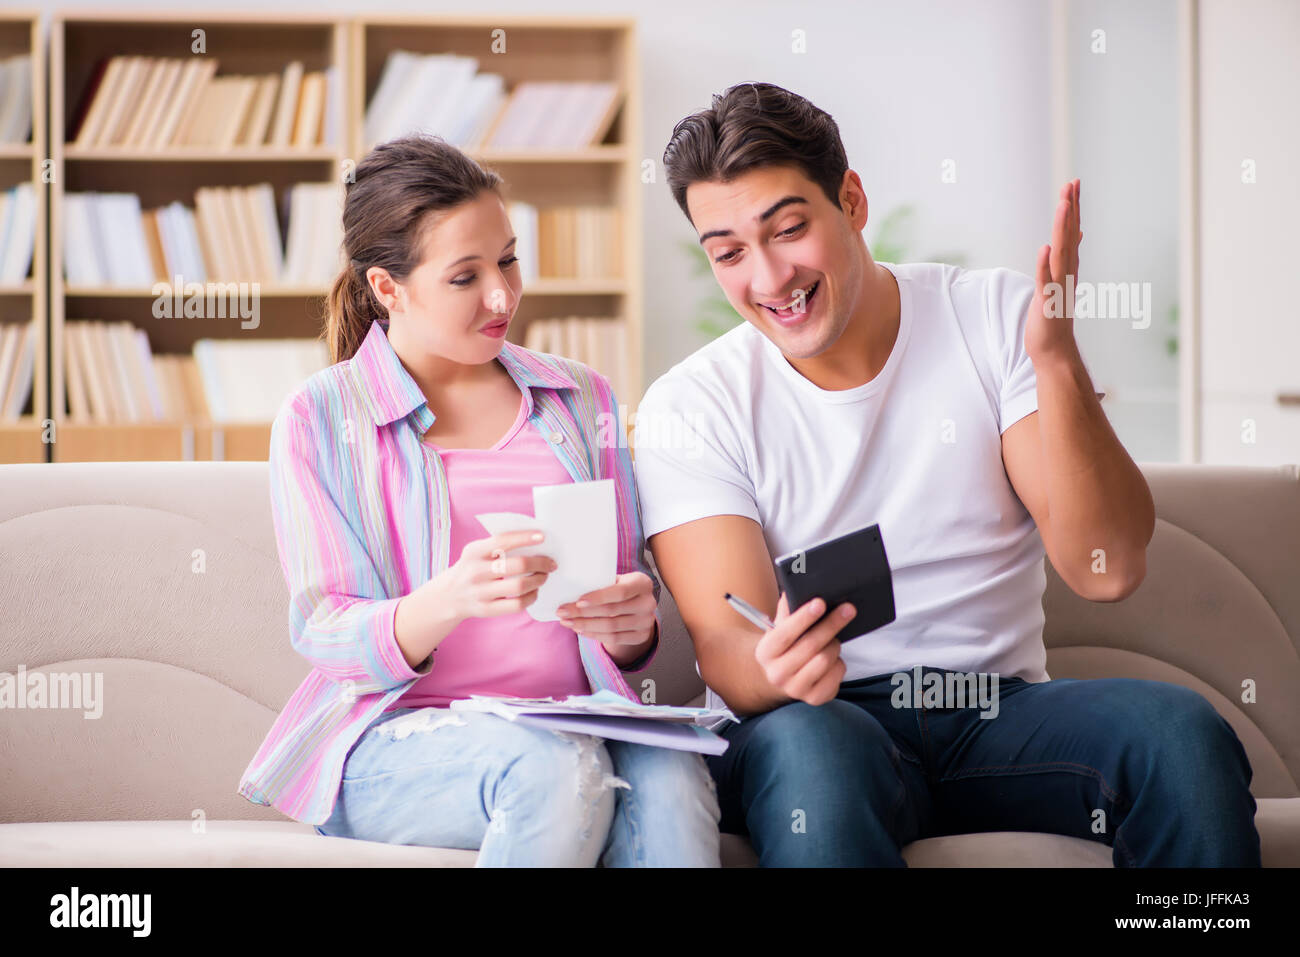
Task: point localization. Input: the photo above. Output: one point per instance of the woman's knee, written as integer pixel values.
(565, 781)
(663, 774)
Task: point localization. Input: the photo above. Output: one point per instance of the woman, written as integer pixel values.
(378, 465)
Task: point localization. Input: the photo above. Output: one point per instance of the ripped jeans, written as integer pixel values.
(523, 795)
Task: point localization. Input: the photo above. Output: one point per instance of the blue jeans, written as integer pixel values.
(1146, 767)
(524, 795)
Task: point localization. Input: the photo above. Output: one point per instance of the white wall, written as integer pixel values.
(1250, 243)
(1122, 95)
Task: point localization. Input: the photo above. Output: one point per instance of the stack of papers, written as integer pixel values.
(606, 714)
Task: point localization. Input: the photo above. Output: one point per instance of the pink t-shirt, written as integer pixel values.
(508, 654)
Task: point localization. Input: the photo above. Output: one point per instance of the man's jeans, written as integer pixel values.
(524, 795)
(1146, 767)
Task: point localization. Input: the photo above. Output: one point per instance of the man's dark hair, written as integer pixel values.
(752, 125)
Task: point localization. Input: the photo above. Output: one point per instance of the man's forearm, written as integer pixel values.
(730, 668)
(1100, 511)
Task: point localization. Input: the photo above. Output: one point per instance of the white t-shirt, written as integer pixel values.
(734, 430)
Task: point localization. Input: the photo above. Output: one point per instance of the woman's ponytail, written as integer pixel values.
(351, 309)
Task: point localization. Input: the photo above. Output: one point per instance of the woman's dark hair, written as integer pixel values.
(752, 125)
(385, 217)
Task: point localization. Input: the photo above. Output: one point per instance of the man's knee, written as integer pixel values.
(1182, 731)
(833, 737)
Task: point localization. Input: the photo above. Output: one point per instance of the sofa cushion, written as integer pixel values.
(291, 844)
(220, 844)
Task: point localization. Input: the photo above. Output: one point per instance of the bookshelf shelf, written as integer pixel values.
(20, 441)
(163, 441)
(576, 287)
(592, 154)
(131, 292)
(536, 287)
(17, 151)
(183, 154)
(539, 49)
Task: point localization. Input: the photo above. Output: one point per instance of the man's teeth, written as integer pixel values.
(799, 294)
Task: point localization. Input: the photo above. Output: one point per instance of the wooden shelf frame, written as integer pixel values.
(23, 440)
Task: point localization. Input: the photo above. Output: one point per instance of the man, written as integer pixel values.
(953, 408)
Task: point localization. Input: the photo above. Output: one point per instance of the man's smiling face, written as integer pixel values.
(783, 253)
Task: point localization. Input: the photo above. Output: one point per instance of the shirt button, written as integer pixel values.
(557, 437)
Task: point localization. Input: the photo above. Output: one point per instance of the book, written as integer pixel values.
(258, 125)
(523, 219)
(287, 108)
(307, 123)
(157, 84)
(17, 232)
(18, 389)
(600, 342)
(439, 93)
(555, 115)
(123, 104)
(74, 380)
(246, 380)
(16, 99)
(240, 92)
(94, 104)
(579, 242)
(194, 115)
(195, 74)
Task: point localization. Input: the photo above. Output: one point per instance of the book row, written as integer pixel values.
(445, 95)
(232, 233)
(158, 102)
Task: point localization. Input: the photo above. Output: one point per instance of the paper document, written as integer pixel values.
(606, 714)
(659, 734)
(581, 536)
(602, 703)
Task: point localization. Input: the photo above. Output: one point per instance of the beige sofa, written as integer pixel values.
(163, 577)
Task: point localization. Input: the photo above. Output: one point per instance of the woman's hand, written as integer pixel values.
(620, 616)
(483, 583)
(486, 582)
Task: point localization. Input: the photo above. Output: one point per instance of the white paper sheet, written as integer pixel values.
(581, 536)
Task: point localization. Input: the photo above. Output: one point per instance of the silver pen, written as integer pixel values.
(749, 612)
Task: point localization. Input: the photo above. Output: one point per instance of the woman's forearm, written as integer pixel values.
(423, 619)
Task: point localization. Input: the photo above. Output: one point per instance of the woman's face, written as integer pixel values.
(459, 301)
